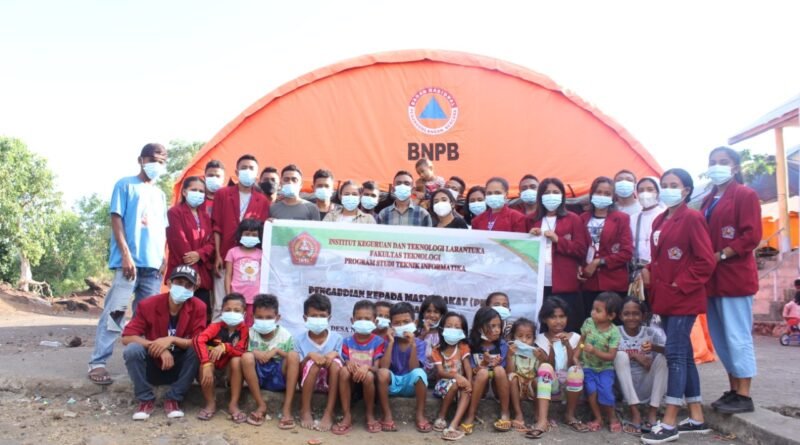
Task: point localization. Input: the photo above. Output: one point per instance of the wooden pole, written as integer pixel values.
(782, 186)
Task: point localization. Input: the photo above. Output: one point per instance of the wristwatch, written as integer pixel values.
(602, 262)
(722, 255)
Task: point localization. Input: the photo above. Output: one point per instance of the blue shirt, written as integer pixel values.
(304, 345)
(143, 209)
(400, 358)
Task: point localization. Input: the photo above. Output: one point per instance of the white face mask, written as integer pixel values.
(442, 208)
(648, 199)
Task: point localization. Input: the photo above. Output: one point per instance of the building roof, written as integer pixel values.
(783, 116)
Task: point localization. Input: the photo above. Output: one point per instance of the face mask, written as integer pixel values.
(369, 202)
(402, 192)
(383, 323)
(290, 190)
(268, 187)
(323, 193)
(213, 183)
(453, 335)
(719, 174)
(247, 177)
(249, 241)
(179, 294)
(154, 170)
(601, 202)
(623, 189)
(350, 202)
(477, 207)
(671, 197)
(502, 311)
(317, 325)
(363, 327)
(495, 201)
(523, 349)
(400, 331)
(648, 199)
(528, 196)
(195, 198)
(551, 201)
(232, 318)
(443, 209)
(264, 326)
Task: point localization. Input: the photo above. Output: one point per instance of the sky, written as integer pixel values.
(87, 83)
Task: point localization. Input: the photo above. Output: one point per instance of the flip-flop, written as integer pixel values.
(467, 428)
(374, 427)
(424, 427)
(340, 429)
(534, 433)
(100, 376)
(594, 426)
(578, 426)
(286, 424)
(519, 426)
(389, 426)
(615, 427)
(238, 417)
(256, 418)
(502, 425)
(439, 425)
(631, 428)
(205, 414)
(452, 434)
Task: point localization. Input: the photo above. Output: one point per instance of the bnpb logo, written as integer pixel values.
(433, 110)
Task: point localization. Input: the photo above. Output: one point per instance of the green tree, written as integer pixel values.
(755, 165)
(179, 153)
(28, 204)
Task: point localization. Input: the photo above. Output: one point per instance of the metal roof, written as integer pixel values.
(784, 115)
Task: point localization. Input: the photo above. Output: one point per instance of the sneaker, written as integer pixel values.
(686, 426)
(172, 409)
(146, 408)
(726, 397)
(736, 405)
(660, 435)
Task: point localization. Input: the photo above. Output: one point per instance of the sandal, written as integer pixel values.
(578, 426)
(205, 414)
(374, 427)
(286, 424)
(467, 428)
(424, 427)
(519, 426)
(439, 425)
(631, 428)
(535, 433)
(256, 418)
(452, 434)
(615, 427)
(389, 426)
(594, 426)
(340, 429)
(238, 417)
(100, 376)
(502, 425)
(647, 426)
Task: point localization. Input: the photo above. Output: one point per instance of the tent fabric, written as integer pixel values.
(477, 117)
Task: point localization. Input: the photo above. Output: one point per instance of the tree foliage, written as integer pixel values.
(179, 153)
(755, 165)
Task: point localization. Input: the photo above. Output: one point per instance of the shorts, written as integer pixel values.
(600, 382)
(442, 387)
(321, 385)
(270, 376)
(527, 386)
(405, 385)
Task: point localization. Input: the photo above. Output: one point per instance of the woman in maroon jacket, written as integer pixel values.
(682, 262)
(565, 247)
(611, 245)
(190, 238)
(499, 216)
(733, 213)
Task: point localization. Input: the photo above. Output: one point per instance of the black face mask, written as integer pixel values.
(268, 187)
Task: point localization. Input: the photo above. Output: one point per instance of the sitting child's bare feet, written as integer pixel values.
(307, 421)
(325, 423)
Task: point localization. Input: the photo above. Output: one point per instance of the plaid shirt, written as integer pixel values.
(413, 216)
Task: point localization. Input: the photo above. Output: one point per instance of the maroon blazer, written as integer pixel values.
(568, 253)
(616, 247)
(735, 222)
(507, 220)
(681, 254)
(184, 236)
(151, 319)
(225, 215)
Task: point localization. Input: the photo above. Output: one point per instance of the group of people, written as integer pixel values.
(631, 233)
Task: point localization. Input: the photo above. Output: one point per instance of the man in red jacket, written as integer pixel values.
(158, 344)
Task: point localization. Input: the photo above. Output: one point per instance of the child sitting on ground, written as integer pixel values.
(270, 361)
(220, 347)
(454, 373)
(382, 319)
(500, 303)
(430, 317)
(402, 371)
(361, 353)
(522, 366)
(599, 342)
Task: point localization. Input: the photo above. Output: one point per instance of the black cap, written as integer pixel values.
(185, 272)
(152, 149)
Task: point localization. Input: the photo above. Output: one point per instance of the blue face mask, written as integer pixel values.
(623, 189)
(502, 311)
(323, 193)
(369, 202)
(350, 202)
(249, 241)
(363, 327)
(453, 335)
(264, 327)
(154, 170)
(232, 318)
(719, 174)
(477, 207)
(400, 331)
(523, 349)
(551, 201)
(601, 202)
(213, 183)
(402, 192)
(317, 325)
(290, 190)
(195, 198)
(671, 197)
(179, 294)
(528, 196)
(247, 177)
(495, 201)
(383, 323)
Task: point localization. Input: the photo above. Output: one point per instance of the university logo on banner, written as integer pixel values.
(433, 110)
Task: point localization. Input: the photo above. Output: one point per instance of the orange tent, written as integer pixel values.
(476, 117)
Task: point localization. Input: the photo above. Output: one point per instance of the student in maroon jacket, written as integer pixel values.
(682, 263)
(189, 237)
(214, 178)
(566, 242)
(499, 216)
(232, 204)
(733, 213)
(610, 248)
(158, 344)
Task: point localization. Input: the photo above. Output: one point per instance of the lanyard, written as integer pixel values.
(710, 208)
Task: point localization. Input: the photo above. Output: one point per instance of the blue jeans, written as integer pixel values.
(146, 373)
(683, 382)
(112, 320)
(730, 322)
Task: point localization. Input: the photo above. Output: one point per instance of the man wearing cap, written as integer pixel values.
(138, 225)
(158, 344)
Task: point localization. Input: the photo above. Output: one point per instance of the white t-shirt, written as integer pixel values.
(244, 201)
(645, 230)
(548, 223)
(632, 210)
(595, 226)
(559, 350)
